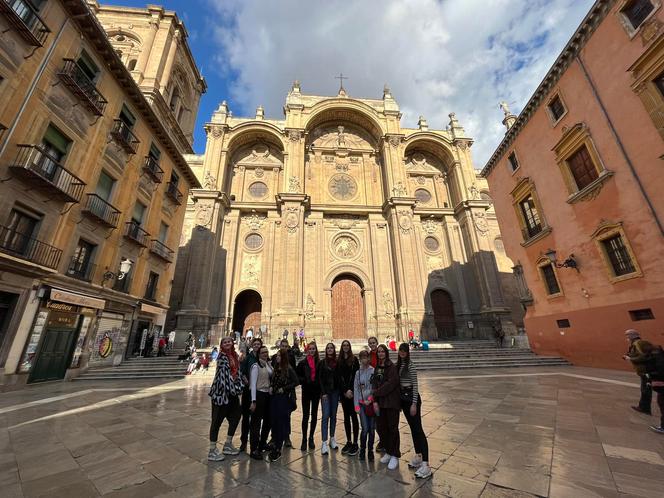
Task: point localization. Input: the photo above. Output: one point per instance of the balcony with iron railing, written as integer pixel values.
(124, 137)
(135, 233)
(101, 211)
(152, 169)
(81, 270)
(82, 87)
(23, 16)
(162, 250)
(42, 171)
(174, 193)
(24, 247)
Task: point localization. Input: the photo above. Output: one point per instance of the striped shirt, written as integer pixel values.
(408, 379)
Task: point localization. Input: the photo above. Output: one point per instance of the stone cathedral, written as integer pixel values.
(339, 220)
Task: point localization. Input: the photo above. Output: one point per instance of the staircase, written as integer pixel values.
(463, 355)
(155, 367)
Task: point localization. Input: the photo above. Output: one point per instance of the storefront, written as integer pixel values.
(148, 327)
(59, 334)
(111, 335)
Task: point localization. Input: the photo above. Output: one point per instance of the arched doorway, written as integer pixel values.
(443, 314)
(247, 310)
(348, 320)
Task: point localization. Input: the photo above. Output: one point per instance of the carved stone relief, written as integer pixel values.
(388, 303)
(342, 187)
(294, 186)
(481, 224)
(345, 246)
(209, 182)
(251, 270)
(254, 222)
(405, 220)
(430, 226)
(292, 220)
(309, 307)
(399, 190)
(204, 212)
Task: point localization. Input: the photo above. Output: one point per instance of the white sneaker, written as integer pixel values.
(394, 463)
(229, 449)
(424, 471)
(333, 444)
(324, 449)
(385, 458)
(215, 456)
(415, 462)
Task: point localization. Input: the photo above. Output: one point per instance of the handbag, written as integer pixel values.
(368, 409)
(292, 400)
(406, 395)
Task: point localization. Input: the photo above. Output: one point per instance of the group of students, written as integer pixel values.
(372, 389)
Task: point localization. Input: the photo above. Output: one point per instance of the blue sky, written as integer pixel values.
(437, 56)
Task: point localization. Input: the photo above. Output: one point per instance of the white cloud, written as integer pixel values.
(437, 56)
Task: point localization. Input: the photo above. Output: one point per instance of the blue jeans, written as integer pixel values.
(330, 405)
(368, 430)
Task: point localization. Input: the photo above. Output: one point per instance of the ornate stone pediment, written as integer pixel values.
(423, 162)
(258, 154)
(341, 137)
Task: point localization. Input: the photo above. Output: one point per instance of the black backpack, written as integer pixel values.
(655, 364)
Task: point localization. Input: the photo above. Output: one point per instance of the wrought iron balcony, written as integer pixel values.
(38, 168)
(162, 250)
(530, 231)
(23, 16)
(152, 169)
(173, 192)
(135, 233)
(124, 137)
(83, 87)
(22, 246)
(122, 285)
(101, 211)
(82, 270)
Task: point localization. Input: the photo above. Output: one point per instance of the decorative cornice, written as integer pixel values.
(575, 44)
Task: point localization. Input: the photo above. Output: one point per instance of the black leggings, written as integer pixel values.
(260, 432)
(246, 415)
(310, 401)
(350, 416)
(230, 411)
(417, 432)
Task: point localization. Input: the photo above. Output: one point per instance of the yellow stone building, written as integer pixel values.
(93, 182)
(339, 220)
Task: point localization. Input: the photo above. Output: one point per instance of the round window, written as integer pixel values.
(258, 190)
(423, 195)
(253, 241)
(431, 243)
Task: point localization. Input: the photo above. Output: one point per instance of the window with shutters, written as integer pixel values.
(151, 287)
(513, 161)
(556, 109)
(616, 252)
(529, 212)
(580, 164)
(634, 13)
(549, 277)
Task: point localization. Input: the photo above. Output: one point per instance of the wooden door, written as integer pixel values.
(51, 363)
(348, 309)
(443, 314)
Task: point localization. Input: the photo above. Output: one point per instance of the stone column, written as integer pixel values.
(146, 48)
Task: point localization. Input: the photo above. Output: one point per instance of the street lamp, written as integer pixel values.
(570, 262)
(125, 268)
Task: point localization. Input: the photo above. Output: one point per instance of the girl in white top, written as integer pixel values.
(260, 377)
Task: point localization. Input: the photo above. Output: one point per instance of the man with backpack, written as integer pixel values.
(652, 364)
(639, 353)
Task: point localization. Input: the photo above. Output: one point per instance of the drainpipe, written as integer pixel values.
(33, 85)
(620, 144)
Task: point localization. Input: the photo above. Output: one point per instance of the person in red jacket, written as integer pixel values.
(162, 347)
(373, 345)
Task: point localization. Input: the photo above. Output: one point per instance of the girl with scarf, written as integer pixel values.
(307, 373)
(225, 393)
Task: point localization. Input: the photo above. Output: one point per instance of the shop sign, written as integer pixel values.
(58, 320)
(65, 308)
(78, 299)
(33, 342)
(105, 347)
(154, 310)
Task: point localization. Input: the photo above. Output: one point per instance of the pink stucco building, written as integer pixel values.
(578, 187)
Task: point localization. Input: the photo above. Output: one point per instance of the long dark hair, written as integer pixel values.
(387, 352)
(326, 358)
(349, 358)
(283, 363)
(406, 361)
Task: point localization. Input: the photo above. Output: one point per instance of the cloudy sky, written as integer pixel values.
(437, 56)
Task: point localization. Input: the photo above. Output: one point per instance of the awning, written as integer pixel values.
(77, 299)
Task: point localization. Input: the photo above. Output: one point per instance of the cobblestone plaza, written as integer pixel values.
(559, 432)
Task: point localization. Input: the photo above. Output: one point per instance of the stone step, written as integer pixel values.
(85, 377)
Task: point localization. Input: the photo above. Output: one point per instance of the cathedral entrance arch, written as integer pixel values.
(247, 310)
(348, 317)
(443, 314)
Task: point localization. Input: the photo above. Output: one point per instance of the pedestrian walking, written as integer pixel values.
(171, 340)
(387, 406)
(245, 369)
(347, 365)
(161, 348)
(329, 390)
(498, 331)
(411, 406)
(259, 382)
(307, 374)
(202, 340)
(190, 340)
(282, 403)
(363, 400)
(149, 342)
(638, 352)
(225, 393)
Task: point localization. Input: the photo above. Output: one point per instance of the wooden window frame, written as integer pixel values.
(524, 189)
(552, 118)
(541, 263)
(509, 163)
(572, 140)
(605, 231)
(644, 71)
(626, 23)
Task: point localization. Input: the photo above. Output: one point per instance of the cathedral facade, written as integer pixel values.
(338, 220)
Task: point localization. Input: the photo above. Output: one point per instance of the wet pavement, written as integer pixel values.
(560, 432)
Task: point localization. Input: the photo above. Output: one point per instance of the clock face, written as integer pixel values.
(343, 187)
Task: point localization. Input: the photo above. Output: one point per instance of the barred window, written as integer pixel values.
(253, 241)
(616, 251)
(550, 280)
(636, 11)
(531, 218)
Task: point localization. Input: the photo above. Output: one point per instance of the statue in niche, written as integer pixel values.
(399, 190)
(210, 182)
(474, 192)
(309, 307)
(341, 136)
(388, 303)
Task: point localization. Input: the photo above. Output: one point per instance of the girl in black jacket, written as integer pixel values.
(329, 390)
(308, 375)
(284, 381)
(347, 365)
